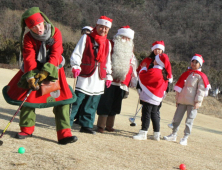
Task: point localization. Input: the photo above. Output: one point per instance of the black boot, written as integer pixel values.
(87, 130)
(71, 139)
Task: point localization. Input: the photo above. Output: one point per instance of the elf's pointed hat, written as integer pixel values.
(103, 20)
(32, 17)
(199, 58)
(126, 31)
(158, 44)
(163, 60)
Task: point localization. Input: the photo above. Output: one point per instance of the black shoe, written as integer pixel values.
(22, 135)
(71, 139)
(87, 130)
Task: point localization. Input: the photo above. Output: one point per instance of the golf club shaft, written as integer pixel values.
(138, 111)
(74, 88)
(137, 104)
(18, 109)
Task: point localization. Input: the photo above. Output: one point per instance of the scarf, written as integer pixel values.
(101, 40)
(183, 77)
(42, 55)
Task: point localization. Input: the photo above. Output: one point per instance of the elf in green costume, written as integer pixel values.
(42, 59)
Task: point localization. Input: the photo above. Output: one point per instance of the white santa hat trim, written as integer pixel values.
(158, 46)
(198, 58)
(87, 27)
(157, 58)
(126, 32)
(104, 22)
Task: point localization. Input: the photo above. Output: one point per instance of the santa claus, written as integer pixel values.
(124, 66)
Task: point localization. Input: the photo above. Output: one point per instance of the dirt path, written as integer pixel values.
(115, 150)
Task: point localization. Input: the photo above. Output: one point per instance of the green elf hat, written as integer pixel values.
(32, 17)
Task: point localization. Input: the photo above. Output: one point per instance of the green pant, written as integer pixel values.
(28, 117)
(87, 110)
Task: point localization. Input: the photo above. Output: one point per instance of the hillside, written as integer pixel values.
(187, 27)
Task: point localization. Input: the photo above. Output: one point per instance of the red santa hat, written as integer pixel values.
(199, 58)
(88, 27)
(158, 44)
(103, 20)
(33, 20)
(126, 31)
(163, 60)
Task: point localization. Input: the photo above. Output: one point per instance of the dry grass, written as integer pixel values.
(115, 150)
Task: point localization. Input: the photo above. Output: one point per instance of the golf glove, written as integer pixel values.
(75, 72)
(108, 83)
(32, 84)
(42, 75)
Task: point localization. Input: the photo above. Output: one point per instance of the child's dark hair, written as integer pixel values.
(152, 55)
(164, 72)
(85, 31)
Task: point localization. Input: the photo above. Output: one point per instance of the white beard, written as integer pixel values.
(122, 53)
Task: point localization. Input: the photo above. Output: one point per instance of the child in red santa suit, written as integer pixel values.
(190, 89)
(158, 47)
(153, 83)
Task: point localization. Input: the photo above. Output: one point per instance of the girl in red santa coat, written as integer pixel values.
(190, 89)
(158, 47)
(153, 83)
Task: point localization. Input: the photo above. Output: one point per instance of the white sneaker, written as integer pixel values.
(170, 126)
(171, 137)
(183, 141)
(142, 135)
(156, 136)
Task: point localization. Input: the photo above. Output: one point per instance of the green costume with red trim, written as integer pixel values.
(17, 89)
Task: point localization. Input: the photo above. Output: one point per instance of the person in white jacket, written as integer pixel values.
(190, 89)
(91, 63)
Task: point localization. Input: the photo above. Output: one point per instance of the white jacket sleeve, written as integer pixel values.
(109, 65)
(76, 57)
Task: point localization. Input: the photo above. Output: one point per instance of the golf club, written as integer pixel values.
(74, 88)
(1, 142)
(132, 119)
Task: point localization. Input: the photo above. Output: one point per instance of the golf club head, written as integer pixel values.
(1, 142)
(132, 120)
(133, 124)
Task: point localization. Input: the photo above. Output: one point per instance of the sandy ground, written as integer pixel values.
(116, 150)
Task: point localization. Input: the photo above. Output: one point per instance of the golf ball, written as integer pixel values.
(21, 150)
(182, 167)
